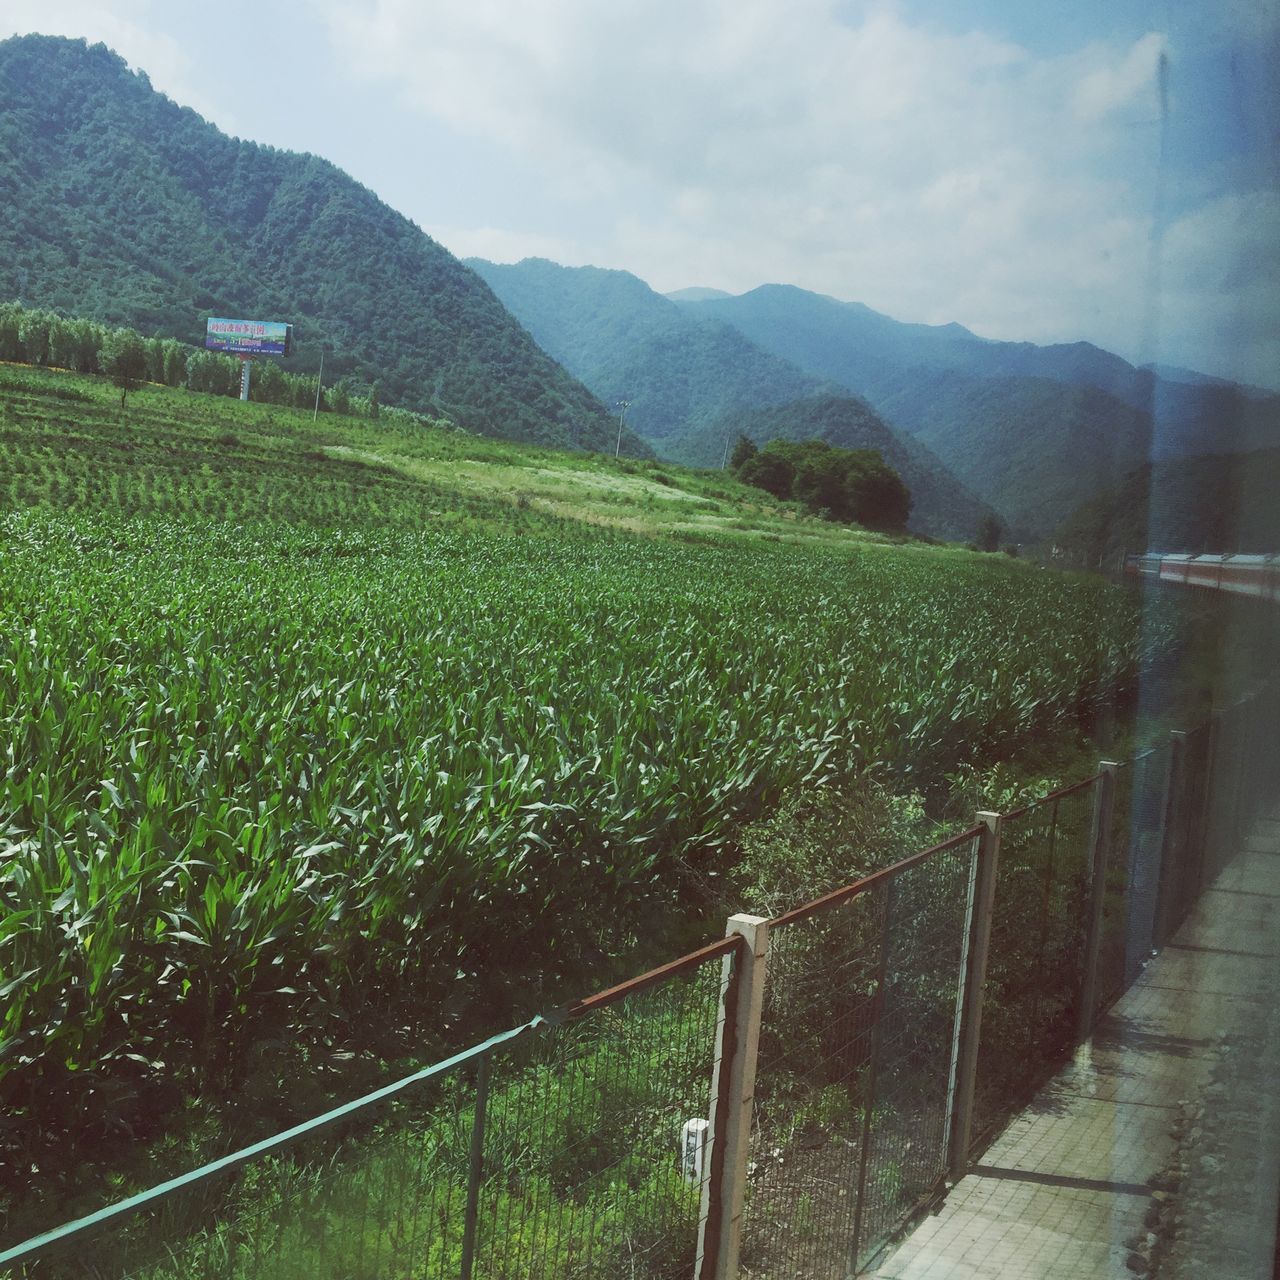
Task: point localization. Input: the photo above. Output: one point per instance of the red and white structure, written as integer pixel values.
(1246, 575)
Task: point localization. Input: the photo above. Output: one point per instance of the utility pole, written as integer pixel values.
(724, 462)
(315, 413)
(624, 405)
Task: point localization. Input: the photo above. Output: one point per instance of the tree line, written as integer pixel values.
(33, 336)
(854, 486)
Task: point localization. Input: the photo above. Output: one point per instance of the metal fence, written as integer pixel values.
(1036, 951)
(852, 1115)
(548, 1151)
(777, 1104)
(1132, 873)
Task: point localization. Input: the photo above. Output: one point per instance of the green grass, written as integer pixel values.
(327, 736)
(64, 442)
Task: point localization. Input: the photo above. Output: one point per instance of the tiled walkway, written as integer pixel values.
(1063, 1192)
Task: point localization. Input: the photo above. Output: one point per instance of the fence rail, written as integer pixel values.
(778, 1103)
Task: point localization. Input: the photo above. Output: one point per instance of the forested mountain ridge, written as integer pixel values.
(855, 346)
(129, 209)
(1032, 447)
(939, 501)
(1214, 503)
(1012, 420)
(626, 342)
(693, 384)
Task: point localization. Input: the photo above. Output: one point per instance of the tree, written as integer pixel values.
(989, 531)
(743, 451)
(373, 401)
(874, 492)
(35, 328)
(175, 364)
(769, 471)
(269, 385)
(155, 359)
(11, 332)
(820, 481)
(124, 360)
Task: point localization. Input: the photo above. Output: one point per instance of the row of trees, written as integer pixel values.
(850, 485)
(37, 337)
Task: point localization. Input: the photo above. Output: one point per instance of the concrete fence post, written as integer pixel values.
(1099, 855)
(1240, 802)
(1218, 845)
(982, 898)
(1171, 840)
(733, 1080)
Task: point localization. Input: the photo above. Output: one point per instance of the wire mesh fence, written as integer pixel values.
(551, 1151)
(1186, 826)
(853, 1083)
(593, 1142)
(1036, 955)
(1132, 877)
(1246, 772)
(580, 1154)
(1259, 771)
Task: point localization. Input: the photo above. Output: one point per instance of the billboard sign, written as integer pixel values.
(249, 337)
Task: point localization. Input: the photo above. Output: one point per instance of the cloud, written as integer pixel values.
(1113, 84)
(1222, 265)
(932, 174)
(834, 144)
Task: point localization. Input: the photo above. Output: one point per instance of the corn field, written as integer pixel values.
(255, 772)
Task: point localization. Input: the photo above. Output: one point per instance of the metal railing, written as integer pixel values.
(852, 1116)
(549, 1150)
(779, 1103)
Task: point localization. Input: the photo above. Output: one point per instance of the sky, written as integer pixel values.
(1009, 164)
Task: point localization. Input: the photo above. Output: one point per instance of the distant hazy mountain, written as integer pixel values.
(691, 381)
(696, 294)
(1032, 447)
(940, 502)
(1032, 430)
(1176, 373)
(133, 210)
(1213, 503)
(627, 342)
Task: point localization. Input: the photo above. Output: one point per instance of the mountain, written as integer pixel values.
(845, 342)
(696, 294)
(1176, 373)
(1033, 430)
(626, 342)
(134, 210)
(693, 383)
(1219, 502)
(1032, 447)
(939, 502)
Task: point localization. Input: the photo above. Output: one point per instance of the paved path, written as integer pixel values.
(1068, 1183)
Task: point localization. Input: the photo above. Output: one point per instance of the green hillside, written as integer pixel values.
(135, 211)
(1014, 421)
(693, 385)
(1211, 504)
(681, 375)
(846, 342)
(939, 502)
(1033, 448)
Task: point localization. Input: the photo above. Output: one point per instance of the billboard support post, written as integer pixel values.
(245, 365)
